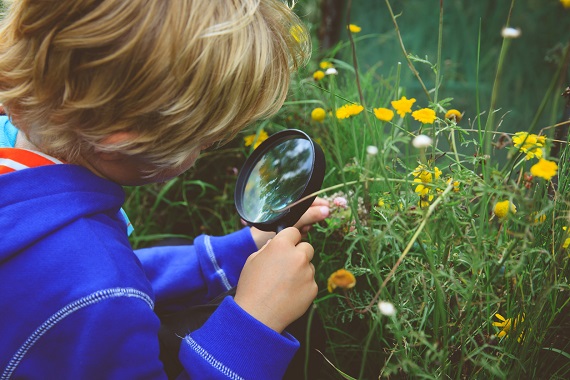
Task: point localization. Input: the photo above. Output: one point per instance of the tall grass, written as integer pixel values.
(439, 254)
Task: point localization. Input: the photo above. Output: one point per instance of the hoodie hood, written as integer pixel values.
(36, 202)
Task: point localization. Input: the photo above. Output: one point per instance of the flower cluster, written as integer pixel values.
(329, 70)
(341, 213)
(530, 144)
(533, 146)
(349, 110)
(456, 185)
(255, 139)
(424, 177)
(403, 106)
(508, 324)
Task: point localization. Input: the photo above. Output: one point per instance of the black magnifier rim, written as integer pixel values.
(290, 216)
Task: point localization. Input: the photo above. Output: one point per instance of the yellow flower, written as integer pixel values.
(298, 33)
(325, 65)
(348, 110)
(354, 28)
(318, 75)
(502, 209)
(454, 115)
(255, 139)
(505, 325)
(318, 114)
(403, 106)
(422, 190)
(530, 144)
(424, 115)
(423, 175)
(538, 219)
(341, 279)
(567, 241)
(565, 3)
(456, 185)
(544, 169)
(383, 114)
(437, 172)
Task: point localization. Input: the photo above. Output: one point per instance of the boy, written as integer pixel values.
(108, 93)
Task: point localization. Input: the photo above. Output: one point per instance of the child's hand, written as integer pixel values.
(318, 211)
(277, 283)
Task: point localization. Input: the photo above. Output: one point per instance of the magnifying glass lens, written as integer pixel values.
(277, 179)
(275, 186)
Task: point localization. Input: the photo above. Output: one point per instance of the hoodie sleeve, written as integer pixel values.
(237, 346)
(194, 274)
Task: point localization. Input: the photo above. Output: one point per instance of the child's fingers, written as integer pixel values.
(320, 202)
(308, 249)
(313, 215)
(290, 234)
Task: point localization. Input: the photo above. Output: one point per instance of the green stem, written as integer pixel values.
(410, 64)
(438, 69)
(439, 48)
(454, 147)
(489, 125)
(377, 179)
(354, 58)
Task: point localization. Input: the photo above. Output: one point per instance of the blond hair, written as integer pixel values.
(176, 73)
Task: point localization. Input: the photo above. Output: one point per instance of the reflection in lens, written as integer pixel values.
(277, 179)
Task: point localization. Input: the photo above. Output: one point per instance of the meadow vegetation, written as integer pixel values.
(446, 253)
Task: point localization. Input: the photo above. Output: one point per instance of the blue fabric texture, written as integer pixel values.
(77, 302)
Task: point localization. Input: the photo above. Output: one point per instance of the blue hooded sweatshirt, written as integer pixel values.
(77, 302)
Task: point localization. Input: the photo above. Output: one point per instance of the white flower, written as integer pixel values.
(386, 308)
(421, 141)
(331, 71)
(372, 150)
(511, 33)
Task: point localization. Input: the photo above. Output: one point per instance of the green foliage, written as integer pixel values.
(419, 229)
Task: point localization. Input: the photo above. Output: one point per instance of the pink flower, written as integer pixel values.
(340, 202)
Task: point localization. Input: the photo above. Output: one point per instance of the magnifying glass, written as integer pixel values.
(285, 168)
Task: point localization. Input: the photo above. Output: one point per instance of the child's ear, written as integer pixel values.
(115, 138)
